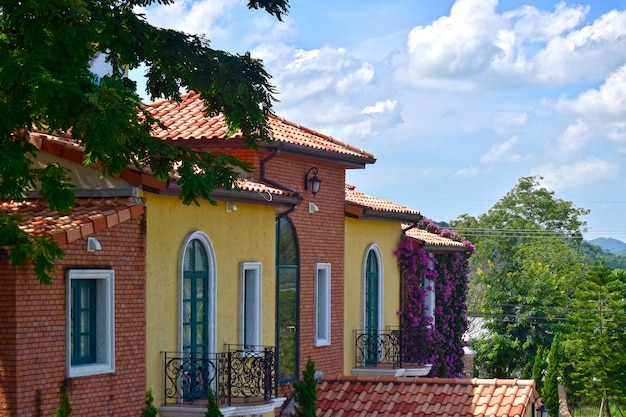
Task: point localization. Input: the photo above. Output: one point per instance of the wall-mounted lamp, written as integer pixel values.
(312, 184)
(93, 244)
(542, 411)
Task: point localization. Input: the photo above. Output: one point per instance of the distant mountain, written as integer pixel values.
(609, 244)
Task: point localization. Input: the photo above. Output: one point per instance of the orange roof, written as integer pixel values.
(87, 217)
(367, 202)
(361, 396)
(434, 240)
(187, 121)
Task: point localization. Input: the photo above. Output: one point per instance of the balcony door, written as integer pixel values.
(372, 305)
(197, 315)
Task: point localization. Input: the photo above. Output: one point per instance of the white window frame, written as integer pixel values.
(105, 317)
(250, 302)
(322, 304)
(429, 298)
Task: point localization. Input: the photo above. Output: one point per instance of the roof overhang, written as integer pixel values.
(347, 160)
(363, 213)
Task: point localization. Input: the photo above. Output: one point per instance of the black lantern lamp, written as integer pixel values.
(313, 183)
(542, 411)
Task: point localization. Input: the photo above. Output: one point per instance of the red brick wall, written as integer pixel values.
(33, 335)
(321, 239)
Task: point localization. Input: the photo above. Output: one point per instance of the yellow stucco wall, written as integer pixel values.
(245, 235)
(360, 236)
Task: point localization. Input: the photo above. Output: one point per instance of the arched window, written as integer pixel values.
(197, 299)
(372, 301)
(287, 297)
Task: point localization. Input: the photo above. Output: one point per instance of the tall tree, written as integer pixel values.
(525, 268)
(596, 338)
(46, 47)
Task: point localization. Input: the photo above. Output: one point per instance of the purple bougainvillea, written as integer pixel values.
(449, 272)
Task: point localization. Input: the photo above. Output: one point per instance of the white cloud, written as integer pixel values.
(574, 138)
(475, 45)
(589, 171)
(362, 75)
(469, 172)
(501, 152)
(325, 59)
(455, 45)
(189, 16)
(609, 99)
(502, 121)
(381, 107)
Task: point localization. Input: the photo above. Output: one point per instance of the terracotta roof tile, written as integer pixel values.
(433, 239)
(373, 203)
(90, 215)
(368, 396)
(186, 121)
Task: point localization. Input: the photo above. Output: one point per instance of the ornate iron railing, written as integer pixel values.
(390, 347)
(376, 348)
(241, 375)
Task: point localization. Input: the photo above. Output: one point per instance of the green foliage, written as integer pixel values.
(212, 408)
(305, 392)
(525, 270)
(149, 410)
(550, 392)
(64, 409)
(45, 83)
(595, 343)
(538, 367)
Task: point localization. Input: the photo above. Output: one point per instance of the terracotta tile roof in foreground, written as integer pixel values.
(361, 396)
(87, 217)
(373, 203)
(432, 239)
(186, 121)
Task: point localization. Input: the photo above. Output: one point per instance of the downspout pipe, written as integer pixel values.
(276, 184)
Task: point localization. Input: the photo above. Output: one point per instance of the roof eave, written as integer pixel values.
(350, 161)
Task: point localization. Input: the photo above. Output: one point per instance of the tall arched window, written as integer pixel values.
(372, 301)
(197, 300)
(287, 295)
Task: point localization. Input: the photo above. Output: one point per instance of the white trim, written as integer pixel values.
(322, 304)
(105, 337)
(256, 268)
(381, 285)
(232, 411)
(212, 307)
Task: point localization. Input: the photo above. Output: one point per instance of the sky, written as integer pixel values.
(457, 100)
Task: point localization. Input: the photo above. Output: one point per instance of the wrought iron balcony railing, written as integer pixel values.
(391, 347)
(241, 375)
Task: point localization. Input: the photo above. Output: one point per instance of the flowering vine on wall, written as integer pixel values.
(441, 343)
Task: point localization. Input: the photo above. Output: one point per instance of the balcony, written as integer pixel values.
(391, 352)
(242, 380)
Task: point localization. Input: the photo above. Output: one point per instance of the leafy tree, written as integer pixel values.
(525, 269)
(596, 338)
(538, 367)
(213, 410)
(45, 83)
(550, 391)
(306, 392)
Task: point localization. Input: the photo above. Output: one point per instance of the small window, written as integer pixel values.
(322, 305)
(250, 304)
(429, 298)
(90, 322)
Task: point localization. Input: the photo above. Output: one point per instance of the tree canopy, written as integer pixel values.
(46, 47)
(525, 270)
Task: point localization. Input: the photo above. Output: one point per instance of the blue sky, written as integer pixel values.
(457, 100)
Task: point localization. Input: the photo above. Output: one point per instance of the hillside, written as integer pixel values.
(611, 245)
